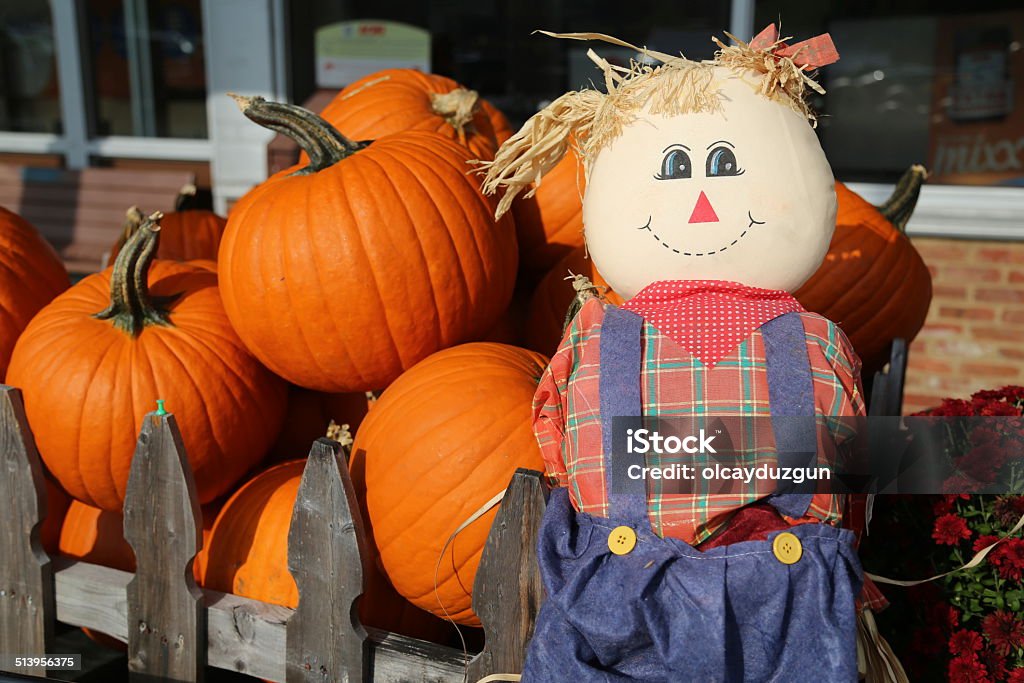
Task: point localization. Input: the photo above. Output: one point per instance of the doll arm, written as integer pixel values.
(550, 402)
(549, 421)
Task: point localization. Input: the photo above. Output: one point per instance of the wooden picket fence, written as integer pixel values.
(174, 630)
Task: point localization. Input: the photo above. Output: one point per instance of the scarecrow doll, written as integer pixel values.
(708, 200)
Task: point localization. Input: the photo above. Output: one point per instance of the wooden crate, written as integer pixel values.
(175, 629)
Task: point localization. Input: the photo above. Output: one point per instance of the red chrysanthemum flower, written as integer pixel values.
(958, 483)
(950, 530)
(1010, 393)
(943, 505)
(964, 642)
(983, 542)
(999, 409)
(1004, 630)
(1008, 509)
(1016, 676)
(952, 616)
(983, 462)
(994, 664)
(1008, 559)
(967, 670)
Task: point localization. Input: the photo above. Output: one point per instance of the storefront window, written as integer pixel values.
(29, 94)
(938, 83)
(943, 86)
(147, 69)
(490, 45)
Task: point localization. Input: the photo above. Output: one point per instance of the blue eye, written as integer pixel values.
(676, 164)
(722, 162)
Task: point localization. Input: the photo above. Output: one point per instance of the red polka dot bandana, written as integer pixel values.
(709, 318)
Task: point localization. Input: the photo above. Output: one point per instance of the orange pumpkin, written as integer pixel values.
(439, 443)
(398, 100)
(552, 297)
(248, 556)
(342, 274)
(93, 363)
(97, 536)
(31, 275)
(873, 283)
(308, 415)
(186, 234)
(549, 224)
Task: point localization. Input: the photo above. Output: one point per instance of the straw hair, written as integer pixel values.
(589, 120)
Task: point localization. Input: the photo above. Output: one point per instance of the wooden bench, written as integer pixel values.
(81, 213)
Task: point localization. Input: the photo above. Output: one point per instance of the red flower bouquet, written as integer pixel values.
(969, 625)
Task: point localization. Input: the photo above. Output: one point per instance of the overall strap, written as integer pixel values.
(621, 409)
(791, 395)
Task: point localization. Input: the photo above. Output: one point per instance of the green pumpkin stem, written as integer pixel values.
(131, 307)
(898, 208)
(324, 145)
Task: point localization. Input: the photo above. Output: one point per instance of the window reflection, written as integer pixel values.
(147, 67)
(29, 93)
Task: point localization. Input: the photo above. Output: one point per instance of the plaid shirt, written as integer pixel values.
(567, 418)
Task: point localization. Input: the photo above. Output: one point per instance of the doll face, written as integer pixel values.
(744, 194)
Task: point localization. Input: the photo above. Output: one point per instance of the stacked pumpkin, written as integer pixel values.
(374, 265)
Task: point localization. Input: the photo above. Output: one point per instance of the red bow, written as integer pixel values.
(811, 53)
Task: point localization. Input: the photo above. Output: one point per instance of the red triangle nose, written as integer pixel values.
(702, 212)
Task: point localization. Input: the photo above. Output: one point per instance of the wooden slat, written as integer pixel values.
(26, 576)
(91, 596)
(325, 556)
(242, 635)
(95, 177)
(109, 198)
(162, 523)
(507, 591)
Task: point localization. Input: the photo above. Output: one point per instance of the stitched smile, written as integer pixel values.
(668, 246)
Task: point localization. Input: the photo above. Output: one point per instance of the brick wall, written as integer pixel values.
(974, 335)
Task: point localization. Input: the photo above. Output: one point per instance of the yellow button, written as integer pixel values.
(787, 548)
(621, 540)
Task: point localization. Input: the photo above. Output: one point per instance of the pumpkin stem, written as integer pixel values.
(324, 145)
(131, 307)
(186, 200)
(585, 290)
(457, 107)
(898, 208)
(133, 218)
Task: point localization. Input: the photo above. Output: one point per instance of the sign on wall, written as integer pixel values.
(977, 131)
(349, 50)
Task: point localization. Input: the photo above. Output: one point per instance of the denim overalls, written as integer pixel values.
(781, 609)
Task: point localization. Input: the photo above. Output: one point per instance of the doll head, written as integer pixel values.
(695, 170)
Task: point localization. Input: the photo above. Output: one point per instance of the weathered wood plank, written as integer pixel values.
(243, 635)
(325, 641)
(26, 576)
(91, 596)
(166, 619)
(507, 591)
